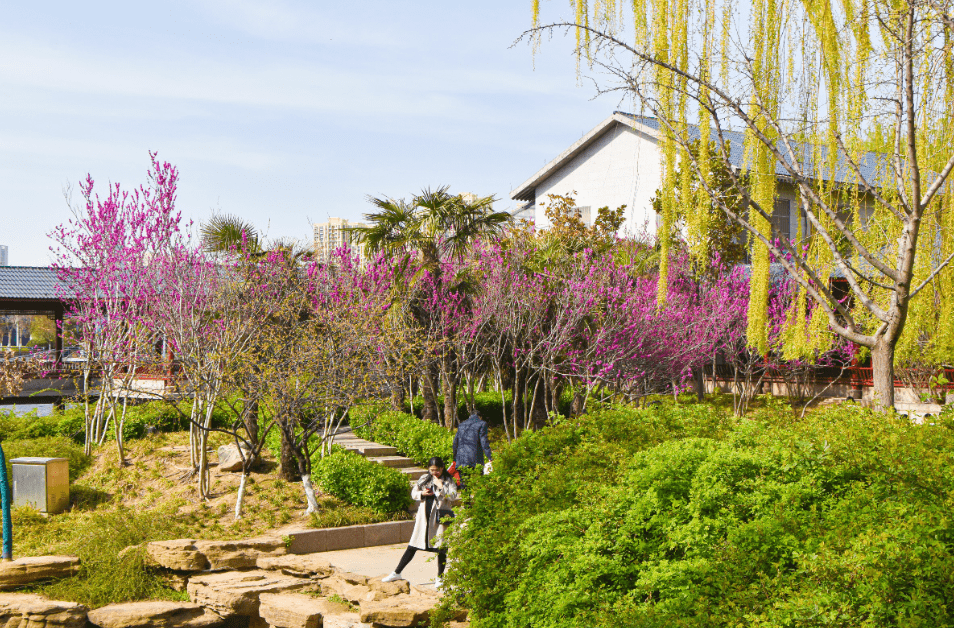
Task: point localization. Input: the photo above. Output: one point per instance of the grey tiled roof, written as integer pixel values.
(28, 282)
(869, 164)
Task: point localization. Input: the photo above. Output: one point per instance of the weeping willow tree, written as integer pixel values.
(846, 105)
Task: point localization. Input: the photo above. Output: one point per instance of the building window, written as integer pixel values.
(586, 215)
(782, 219)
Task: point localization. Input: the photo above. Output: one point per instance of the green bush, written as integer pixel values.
(684, 516)
(359, 481)
(49, 447)
(415, 438)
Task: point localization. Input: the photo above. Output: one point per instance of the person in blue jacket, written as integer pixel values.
(471, 445)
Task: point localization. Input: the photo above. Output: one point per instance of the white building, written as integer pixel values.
(619, 163)
(331, 235)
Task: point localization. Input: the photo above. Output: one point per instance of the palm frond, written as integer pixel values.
(224, 233)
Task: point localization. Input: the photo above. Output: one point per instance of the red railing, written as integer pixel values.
(855, 376)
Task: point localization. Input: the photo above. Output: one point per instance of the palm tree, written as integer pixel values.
(226, 233)
(437, 226)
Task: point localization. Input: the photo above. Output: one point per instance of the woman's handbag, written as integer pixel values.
(454, 472)
(445, 514)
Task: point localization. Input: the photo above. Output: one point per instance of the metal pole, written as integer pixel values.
(5, 500)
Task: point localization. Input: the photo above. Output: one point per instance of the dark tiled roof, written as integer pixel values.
(28, 282)
(869, 163)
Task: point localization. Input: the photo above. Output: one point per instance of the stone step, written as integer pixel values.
(413, 472)
(371, 449)
(395, 462)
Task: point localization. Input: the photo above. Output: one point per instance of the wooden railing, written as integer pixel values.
(855, 376)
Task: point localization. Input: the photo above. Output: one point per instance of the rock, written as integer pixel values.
(27, 610)
(353, 578)
(388, 589)
(255, 622)
(344, 620)
(397, 611)
(154, 614)
(29, 569)
(300, 565)
(230, 459)
(294, 610)
(176, 581)
(179, 554)
(239, 554)
(337, 585)
(237, 593)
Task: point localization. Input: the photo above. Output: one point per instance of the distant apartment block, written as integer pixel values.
(4, 255)
(331, 235)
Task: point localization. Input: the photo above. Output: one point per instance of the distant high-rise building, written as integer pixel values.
(4, 255)
(331, 235)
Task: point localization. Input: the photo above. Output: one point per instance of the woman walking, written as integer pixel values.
(436, 490)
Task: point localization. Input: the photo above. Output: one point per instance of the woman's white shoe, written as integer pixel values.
(438, 583)
(394, 576)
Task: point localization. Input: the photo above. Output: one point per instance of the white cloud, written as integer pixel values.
(287, 21)
(439, 88)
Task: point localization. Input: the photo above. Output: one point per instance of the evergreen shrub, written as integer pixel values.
(685, 516)
(415, 438)
(359, 481)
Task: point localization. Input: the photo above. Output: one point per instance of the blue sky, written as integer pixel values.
(281, 112)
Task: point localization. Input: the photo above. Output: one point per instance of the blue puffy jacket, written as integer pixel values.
(471, 443)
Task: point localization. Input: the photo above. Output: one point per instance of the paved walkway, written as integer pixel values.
(381, 560)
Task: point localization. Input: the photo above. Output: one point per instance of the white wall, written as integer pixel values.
(621, 167)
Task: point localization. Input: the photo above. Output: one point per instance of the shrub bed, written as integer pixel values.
(359, 481)
(415, 438)
(70, 422)
(684, 516)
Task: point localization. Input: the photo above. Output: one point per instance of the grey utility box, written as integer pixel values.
(43, 483)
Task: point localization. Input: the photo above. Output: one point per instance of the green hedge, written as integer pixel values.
(415, 438)
(354, 479)
(70, 422)
(685, 516)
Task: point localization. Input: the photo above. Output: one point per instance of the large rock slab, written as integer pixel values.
(336, 585)
(295, 610)
(344, 620)
(397, 611)
(300, 565)
(27, 610)
(178, 554)
(239, 554)
(237, 593)
(193, 555)
(356, 588)
(154, 614)
(388, 589)
(230, 459)
(16, 573)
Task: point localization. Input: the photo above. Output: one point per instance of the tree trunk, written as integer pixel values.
(430, 397)
(397, 395)
(519, 392)
(240, 498)
(882, 375)
(451, 380)
(288, 469)
(698, 383)
(251, 421)
(309, 494)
